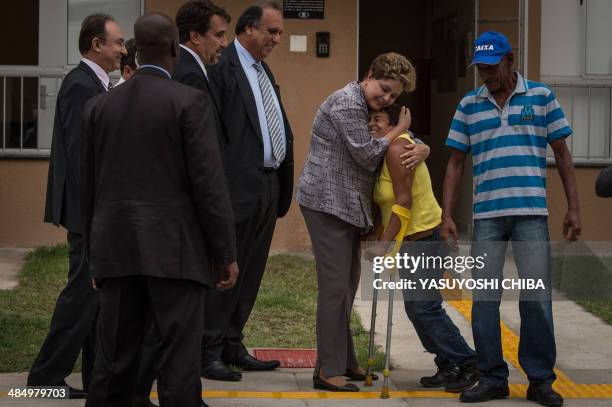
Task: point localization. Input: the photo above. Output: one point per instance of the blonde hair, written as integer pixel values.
(395, 67)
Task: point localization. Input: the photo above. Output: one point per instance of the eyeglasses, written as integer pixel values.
(120, 42)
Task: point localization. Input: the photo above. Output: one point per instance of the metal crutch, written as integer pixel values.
(384, 394)
(368, 380)
(403, 214)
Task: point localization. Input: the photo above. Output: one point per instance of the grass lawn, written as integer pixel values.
(587, 280)
(284, 315)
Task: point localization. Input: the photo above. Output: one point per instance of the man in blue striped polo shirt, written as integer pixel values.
(506, 124)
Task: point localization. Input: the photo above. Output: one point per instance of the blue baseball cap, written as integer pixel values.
(490, 48)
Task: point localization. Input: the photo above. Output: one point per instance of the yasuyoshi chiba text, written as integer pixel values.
(452, 283)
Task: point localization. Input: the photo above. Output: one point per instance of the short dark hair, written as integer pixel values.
(393, 111)
(92, 26)
(251, 17)
(195, 16)
(129, 59)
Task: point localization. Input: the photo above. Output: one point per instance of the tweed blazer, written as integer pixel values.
(339, 173)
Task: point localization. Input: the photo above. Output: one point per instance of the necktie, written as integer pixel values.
(274, 129)
(110, 86)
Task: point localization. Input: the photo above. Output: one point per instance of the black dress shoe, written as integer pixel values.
(202, 404)
(217, 370)
(249, 363)
(544, 394)
(321, 384)
(484, 392)
(358, 377)
(465, 379)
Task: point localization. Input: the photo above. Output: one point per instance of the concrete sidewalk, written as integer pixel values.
(284, 381)
(11, 261)
(584, 356)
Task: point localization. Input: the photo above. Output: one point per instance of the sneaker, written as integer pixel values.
(466, 379)
(440, 379)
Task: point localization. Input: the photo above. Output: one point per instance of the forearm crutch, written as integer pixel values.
(403, 214)
(368, 380)
(384, 394)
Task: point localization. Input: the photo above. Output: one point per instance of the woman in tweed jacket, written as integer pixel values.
(335, 196)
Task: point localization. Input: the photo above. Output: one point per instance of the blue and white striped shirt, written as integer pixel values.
(508, 147)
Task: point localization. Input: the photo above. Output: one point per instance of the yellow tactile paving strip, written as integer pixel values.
(564, 385)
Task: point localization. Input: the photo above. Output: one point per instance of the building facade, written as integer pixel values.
(564, 43)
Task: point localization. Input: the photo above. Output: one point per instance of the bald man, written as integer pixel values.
(150, 162)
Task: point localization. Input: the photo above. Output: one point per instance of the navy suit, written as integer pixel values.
(259, 196)
(73, 323)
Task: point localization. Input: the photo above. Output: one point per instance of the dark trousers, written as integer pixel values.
(227, 312)
(174, 308)
(72, 325)
(146, 372)
(436, 331)
(337, 246)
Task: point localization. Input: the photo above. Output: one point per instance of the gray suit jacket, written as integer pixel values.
(340, 171)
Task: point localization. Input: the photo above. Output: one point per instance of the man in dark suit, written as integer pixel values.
(156, 220)
(259, 164)
(128, 62)
(101, 44)
(202, 26)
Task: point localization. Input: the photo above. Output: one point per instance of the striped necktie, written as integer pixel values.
(272, 119)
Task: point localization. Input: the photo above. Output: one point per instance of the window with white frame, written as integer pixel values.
(31, 74)
(576, 62)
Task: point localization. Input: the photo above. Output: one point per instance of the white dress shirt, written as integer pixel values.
(100, 73)
(247, 61)
(197, 58)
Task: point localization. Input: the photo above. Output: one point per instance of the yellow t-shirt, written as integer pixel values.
(425, 213)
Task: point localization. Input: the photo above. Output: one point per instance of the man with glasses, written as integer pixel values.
(101, 44)
(259, 167)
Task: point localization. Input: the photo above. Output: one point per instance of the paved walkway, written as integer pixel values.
(11, 261)
(584, 364)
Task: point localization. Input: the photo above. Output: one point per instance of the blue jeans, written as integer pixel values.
(537, 350)
(436, 331)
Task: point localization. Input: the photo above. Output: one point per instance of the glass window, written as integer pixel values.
(20, 27)
(30, 113)
(1, 112)
(598, 49)
(125, 12)
(20, 112)
(576, 61)
(12, 114)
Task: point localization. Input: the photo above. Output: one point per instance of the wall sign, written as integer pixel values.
(304, 9)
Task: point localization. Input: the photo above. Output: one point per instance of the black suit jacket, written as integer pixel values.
(244, 162)
(187, 71)
(154, 197)
(62, 204)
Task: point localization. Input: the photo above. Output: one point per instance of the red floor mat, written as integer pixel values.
(305, 358)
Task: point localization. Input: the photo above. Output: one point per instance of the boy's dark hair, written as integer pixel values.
(393, 111)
